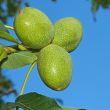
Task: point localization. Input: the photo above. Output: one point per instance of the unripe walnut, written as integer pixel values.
(55, 67)
(33, 28)
(68, 33)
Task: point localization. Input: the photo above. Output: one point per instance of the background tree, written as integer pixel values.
(10, 9)
(6, 88)
(13, 6)
(97, 3)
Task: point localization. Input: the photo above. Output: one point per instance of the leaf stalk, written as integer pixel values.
(9, 27)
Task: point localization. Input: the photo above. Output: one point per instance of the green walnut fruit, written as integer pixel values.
(55, 67)
(68, 33)
(33, 28)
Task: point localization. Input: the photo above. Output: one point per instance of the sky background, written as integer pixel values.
(90, 86)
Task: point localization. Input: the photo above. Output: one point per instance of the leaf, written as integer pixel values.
(95, 6)
(72, 109)
(19, 59)
(34, 101)
(3, 105)
(5, 35)
(2, 27)
(96, 3)
(11, 105)
(3, 53)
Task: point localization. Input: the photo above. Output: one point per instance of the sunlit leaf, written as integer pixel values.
(5, 35)
(35, 101)
(19, 59)
(2, 27)
(3, 53)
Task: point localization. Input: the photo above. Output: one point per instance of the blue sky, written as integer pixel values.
(90, 87)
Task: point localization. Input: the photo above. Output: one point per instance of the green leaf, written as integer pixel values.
(2, 27)
(3, 53)
(34, 101)
(72, 109)
(5, 35)
(19, 59)
(11, 105)
(95, 6)
(97, 3)
(3, 106)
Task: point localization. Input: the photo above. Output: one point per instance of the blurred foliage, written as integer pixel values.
(8, 8)
(97, 3)
(6, 88)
